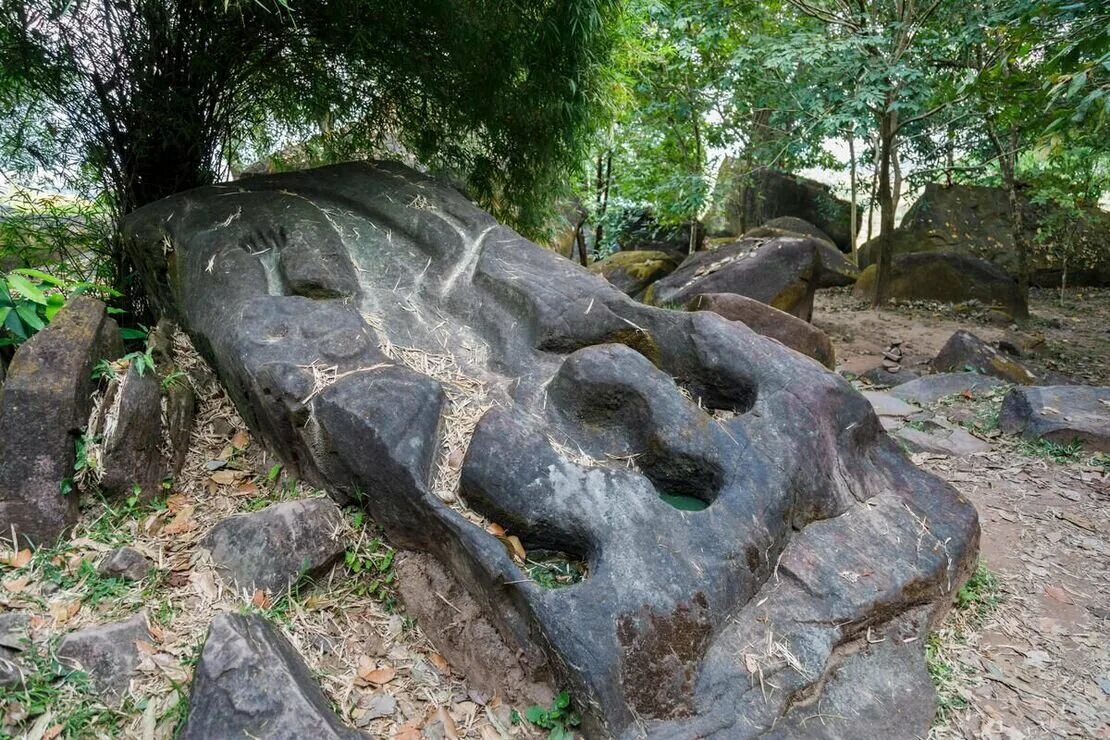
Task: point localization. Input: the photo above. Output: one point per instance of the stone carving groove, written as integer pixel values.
(819, 548)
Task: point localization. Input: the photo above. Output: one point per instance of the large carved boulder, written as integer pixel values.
(949, 278)
(784, 272)
(44, 404)
(751, 549)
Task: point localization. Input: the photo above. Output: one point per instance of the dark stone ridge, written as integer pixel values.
(880, 376)
(1059, 413)
(965, 352)
(44, 405)
(786, 226)
(796, 334)
(274, 548)
(107, 653)
(129, 426)
(768, 576)
(931, 388)
(250, 682)
(948, 278)
(783, 272)
(124, 562)
(632, 272)
(975, 220)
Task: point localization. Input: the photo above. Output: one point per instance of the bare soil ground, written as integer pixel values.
(1027, 654)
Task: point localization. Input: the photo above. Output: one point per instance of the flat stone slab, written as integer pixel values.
(1059, 413)
(954, 442)
(931, 388)
(107, 653)
(606, 428)
(276, 547)
(885, 404)
(250, 682)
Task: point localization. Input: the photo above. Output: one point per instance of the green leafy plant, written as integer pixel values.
(29, 299)
(558, 719)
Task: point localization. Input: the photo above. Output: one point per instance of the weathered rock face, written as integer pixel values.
(783, 272)
(44, 404)
(949, 278)
(632, 272)
(274, 548)
(796, 334)
(250, 682)
(278, 278)
(129, 425)
(107, 653)
(1059, 413)
(966, 352)
(767, 195)
(974, 220)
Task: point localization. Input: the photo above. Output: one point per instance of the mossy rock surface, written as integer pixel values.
(633, 271)
(949, 278)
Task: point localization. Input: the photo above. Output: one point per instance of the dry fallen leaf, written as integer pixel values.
(260, 599)
(517, 550)
(495, 529)
(240, 440)
(204, 583)
(177, 502)
(226, 477)
(17, 559)
(16, 585)
(379, 676)
(63, 611)
(409, 731)
(450, 731)
(181, 523)
(53, 732)
(440, 663)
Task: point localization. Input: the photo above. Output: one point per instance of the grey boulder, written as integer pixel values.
(44, 405)
(126, 563)
(276, 547)
(250, 682)
(1059, 413)
(965, 352)
(15, 638)
(107, 654)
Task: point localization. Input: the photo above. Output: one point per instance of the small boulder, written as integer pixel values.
(787, 226)
(931, 388)
(966, 352)
(129, 426)
(1059, 413)
(941, 439)
(107, 653)
(274, 548)
(633, 271)
(250, 682)
(796, 334)
(947, 277)
(45, 404)
(126, 563)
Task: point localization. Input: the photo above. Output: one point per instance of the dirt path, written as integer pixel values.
(1027, 655)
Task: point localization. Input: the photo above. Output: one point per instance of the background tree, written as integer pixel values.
(156, 96)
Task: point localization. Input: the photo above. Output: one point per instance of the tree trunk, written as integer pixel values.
(604, 177)
(1007, 165)
(949, 155)
(886, 207)
(580, 241)
(896, 168)
(874, 186)
(852, 185)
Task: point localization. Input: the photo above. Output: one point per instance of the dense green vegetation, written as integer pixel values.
(629, 106)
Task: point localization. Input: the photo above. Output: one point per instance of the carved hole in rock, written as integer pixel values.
(685, 482)
(719, 394)
(553, 568)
